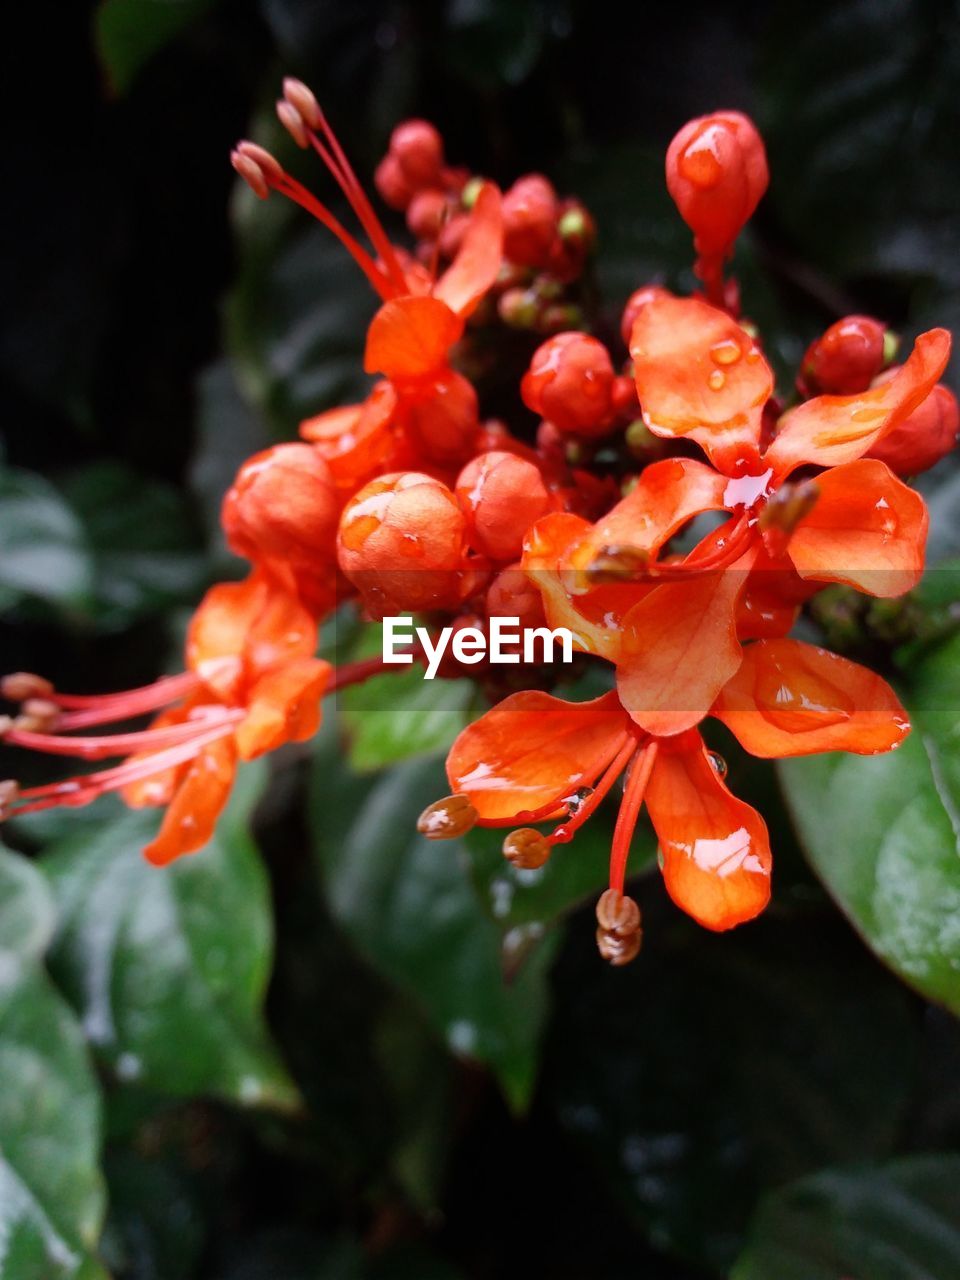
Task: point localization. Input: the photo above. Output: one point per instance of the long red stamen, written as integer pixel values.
(566, 831)
(82, 710)
(630, 811)
(121, 744)
(82, 790)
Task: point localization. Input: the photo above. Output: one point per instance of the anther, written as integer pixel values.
(616, 913)
(301, 98)
(251, 173)
(618, 951)
(293, 122)
(21, 685)
(270, 165)
(37, 715)
(9, 794)
(788, 506)
(618, 564)
(6, 724)
(526, 849)
(447, 818)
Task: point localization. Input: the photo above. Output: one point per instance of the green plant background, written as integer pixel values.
(323, 1048)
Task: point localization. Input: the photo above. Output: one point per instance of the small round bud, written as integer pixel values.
(513, 595)
(448, 818)
(501, 495)
(283, 508)
(401, 543)
(418, 149)
(526, 849)
(529, 221)
(716, 173)
(21, 685)
(426, 214)
(293, 122)
(390, 180)
(926, 436)
(845, 359)
(518, 308)
(577, 228)
(443, 417)
(570, 382)
(303, 101)
(635, 304)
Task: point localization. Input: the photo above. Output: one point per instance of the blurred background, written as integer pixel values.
(308, 1061)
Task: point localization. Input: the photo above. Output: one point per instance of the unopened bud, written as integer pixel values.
(20, 685)
(526, 849)
(448, 818)
(518, 308)
(293, 122)
(301, 98)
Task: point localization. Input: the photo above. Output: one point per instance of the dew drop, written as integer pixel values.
(726, 352)
(716, 380)
(718, 762)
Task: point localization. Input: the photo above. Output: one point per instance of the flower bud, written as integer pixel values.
(282, 510)
(448, 818)
(529, 221)
(443, 417)
(401, 543)
(526, 849)
(512, 594)
(393, 185)
(635, 304)
(845, 359)
(418, 149)
(716, 173)
(576, 228)
(501, 496)
(570, 382)
(426, 214)
(925, 437)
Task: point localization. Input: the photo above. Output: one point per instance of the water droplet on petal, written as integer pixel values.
(726, 352)
(717, 380)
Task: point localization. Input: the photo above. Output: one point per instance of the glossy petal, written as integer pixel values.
(477, 263)
(715, 848)
(830, 430)
(192, 815)
(699, 375)
(680, 647)
(533, 749)
(794, 699)
(160, 787)
(867, 529)
(411, 338)
(284, 706)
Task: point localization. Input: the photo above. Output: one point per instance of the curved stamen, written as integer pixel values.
(566, 831)
(121, 744)
(633, 795)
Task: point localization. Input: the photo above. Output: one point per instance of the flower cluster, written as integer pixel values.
(662, 503)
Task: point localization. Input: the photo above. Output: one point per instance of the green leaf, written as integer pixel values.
(883, 833)
(897, 1222)
(145, 556)
(43, 553)
(51, 1192)
(168, 966)
(718, 1065)
(130, 32)
(409, 906)
(399, 717)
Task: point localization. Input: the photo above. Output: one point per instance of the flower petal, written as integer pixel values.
(533, 749)
(477, 263)
(680, 647)
(192, 814)
(795, 699)
(829, 430)
(715, 849)
(700, 375)
(284, 706)
(867, 529)
(411, 337)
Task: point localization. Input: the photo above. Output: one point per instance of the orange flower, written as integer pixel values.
(535, 758)
(251, 684)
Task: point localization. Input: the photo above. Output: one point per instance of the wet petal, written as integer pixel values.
(411, 338)
(715, 849)
(829, 430)
(794, 699)
(533, 749)
(680, 647)
(284, 706)
(867, 528)
(192, 815)
(477, 263)
(700, 375)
